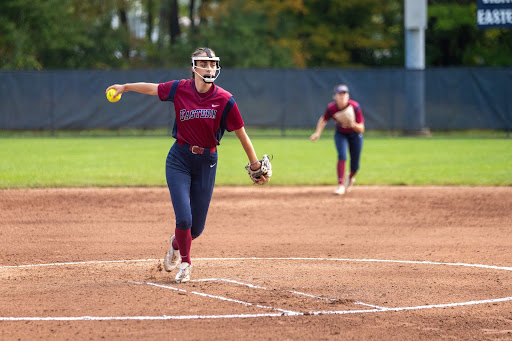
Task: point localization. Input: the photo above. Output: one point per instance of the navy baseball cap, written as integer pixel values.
(341, 88)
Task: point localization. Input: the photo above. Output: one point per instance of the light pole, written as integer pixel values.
(415, 24)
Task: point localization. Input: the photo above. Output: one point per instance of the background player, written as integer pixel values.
(203, 112)
(350, 137)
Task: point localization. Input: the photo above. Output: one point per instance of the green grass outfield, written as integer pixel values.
(35, 162)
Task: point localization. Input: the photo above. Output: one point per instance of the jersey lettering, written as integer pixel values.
(197, 113)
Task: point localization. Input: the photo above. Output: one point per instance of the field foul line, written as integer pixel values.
(284, 313)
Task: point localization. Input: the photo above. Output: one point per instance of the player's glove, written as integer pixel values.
(261, 175)
(346, 117)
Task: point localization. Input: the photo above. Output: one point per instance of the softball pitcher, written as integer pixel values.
(349, 134)
(203, 112)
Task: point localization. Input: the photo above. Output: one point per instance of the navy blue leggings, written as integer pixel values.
(354, 143)
(190, 178)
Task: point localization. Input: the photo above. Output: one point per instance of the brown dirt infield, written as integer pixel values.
(254, 284)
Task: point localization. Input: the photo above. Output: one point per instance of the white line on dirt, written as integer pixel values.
(194, 317)
(123, 318)
(494, 267)
(282, 313)
(287, 312)
(290, 291)
(79, 263)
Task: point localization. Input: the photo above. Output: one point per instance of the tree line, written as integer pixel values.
(106, 34)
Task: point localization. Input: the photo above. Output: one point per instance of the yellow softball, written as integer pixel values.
(110, 95)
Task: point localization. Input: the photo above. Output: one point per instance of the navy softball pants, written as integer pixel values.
(190, 178)
(354, 143)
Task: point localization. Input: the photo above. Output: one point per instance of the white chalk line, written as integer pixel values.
(194, 317)
(290, 291)
(283, 313)
(79, 263)
(247, 304)
(483, 266)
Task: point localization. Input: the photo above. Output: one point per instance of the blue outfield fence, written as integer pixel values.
(391, 99)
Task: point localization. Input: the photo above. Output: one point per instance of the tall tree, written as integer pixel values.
(244, 34)
(39, 34)
(163, 23)
(149, 20)
(350, 33)
(42, 34)
(174, 22)
(191, 16)
(123, 18)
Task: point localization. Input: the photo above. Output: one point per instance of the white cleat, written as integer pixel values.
(184, 274)
(340, 190)
(172, 258)
(350, 183)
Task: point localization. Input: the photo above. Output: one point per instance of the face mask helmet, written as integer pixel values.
(209, 57)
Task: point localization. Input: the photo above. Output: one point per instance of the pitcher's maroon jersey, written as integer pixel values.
(200, 118)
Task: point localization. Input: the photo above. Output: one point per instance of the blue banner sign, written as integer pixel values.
(494, 14)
